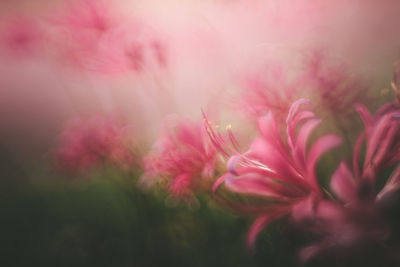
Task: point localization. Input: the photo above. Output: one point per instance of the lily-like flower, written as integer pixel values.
(85, 144)
(283, 172)
(360, 221)
(183, 156)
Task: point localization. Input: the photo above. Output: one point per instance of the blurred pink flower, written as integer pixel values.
(183, 156)
(98, 39)
(331, 88)
(19, 36)
(85, 144)
(361, 222)
(284, 173)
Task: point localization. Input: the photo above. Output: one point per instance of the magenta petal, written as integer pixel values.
(305, 131)
(343, 183)
(269, 130)
(255, 229)
(330, 211)
(303, 210)
(365, 115)
(375, 138)
(294, 108)
(309, 252)
(386, 143)
(220, 180)
(320, 146)
(259, 224)
(293, 118)
(392, 184)
(263, 151)
(257, 184)
(291, 126)
(356, 154)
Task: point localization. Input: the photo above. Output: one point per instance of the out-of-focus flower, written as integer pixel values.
(19, 36)
(95, 38)
(183, 156)
(86, 144)
(360, 224)
(283, 173)
(331, 88)
(268, 91)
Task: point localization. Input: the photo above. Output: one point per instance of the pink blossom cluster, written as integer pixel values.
(331, 87)
(353, 219)
(97, 142)
(184, 157)
(87, 34)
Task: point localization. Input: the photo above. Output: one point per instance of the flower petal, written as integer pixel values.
(293, 118)
(291, 126)
(255, 229)
(320, 146)
(365, 116)
(393, 184)
(260, 223)
(343, 184)
(262, 151)
(220, 180)
(301, 146)
(303, 210)
(257, 184)
(269, 130)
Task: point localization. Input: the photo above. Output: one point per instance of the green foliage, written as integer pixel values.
(103, 219)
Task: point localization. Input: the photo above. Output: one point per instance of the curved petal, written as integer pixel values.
(343, 184)
(392, 184)
(386, 144)
(220, 180)
(294, 117)
(259, 224)
(307, 253)
(256, 184)
(269, 130)
(294, 108)
(301, 146)
(365, 116)
(255, 229)
(320, 146)
(291, 126)
(356, 154)
(376, 135)
(261, 150)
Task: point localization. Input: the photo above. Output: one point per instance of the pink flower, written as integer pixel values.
(183, 156)
(268, 90)
(19, 36)
(97, 39)
(283, 173)
(361, 221)
(85, 144)
(331, 88)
